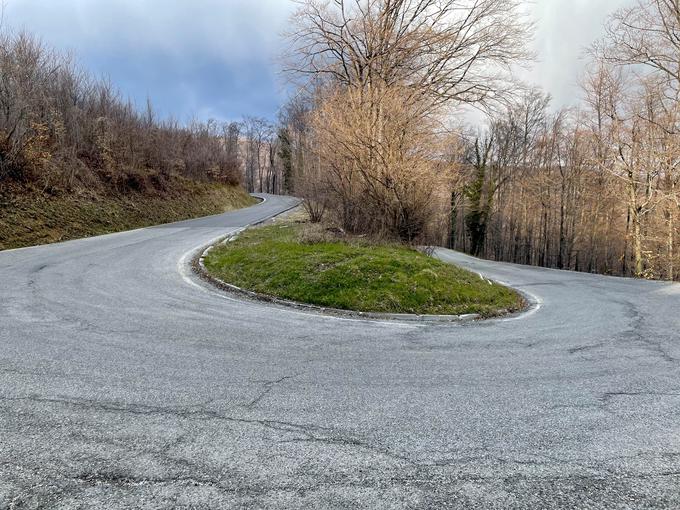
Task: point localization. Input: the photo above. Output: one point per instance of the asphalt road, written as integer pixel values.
(125, 383)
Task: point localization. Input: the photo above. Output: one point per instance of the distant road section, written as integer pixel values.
(125, 382)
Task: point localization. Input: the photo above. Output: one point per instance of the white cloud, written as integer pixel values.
(565, 29)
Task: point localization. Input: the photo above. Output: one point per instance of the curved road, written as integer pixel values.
(125, 383)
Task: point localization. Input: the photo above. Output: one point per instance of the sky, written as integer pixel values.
(216, 59)
(564, 30)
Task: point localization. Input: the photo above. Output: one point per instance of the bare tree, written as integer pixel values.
(294, 139)
(451, 51)
(391, 184)
(646, 34)
(386, 71)
(257, 132)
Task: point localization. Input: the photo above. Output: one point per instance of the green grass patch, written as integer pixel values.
(276, 260)
(29, 218)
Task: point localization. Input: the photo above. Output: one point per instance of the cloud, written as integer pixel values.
(217, 58)
(565, 29)
(206, 57)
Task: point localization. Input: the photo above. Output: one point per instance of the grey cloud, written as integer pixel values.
(217, 58)
(211, 58)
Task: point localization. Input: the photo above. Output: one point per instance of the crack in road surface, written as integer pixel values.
(127, 383)
(267, 388)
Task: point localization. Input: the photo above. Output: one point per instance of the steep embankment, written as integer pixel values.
(29, 217)
(76, 159)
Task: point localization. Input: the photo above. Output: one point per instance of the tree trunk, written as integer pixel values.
(671, 248)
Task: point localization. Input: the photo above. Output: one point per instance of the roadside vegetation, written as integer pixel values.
(76, 159)
(315, 264)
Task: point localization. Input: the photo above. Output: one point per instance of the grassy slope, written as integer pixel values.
(30, 218)
(271, 260)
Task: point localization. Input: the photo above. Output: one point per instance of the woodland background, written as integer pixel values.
(375, 138)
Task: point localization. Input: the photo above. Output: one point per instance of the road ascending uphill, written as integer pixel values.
(125, 383)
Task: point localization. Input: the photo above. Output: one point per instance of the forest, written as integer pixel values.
(375, 136)
(376, 140)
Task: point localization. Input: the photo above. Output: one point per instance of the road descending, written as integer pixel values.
(125, 382)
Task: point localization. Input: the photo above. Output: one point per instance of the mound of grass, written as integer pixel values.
(278, 260)
(29, 218)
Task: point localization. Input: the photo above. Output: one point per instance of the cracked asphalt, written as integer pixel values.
(125, 382)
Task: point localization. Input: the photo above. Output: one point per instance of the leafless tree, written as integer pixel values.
(257, 132)
(646, 34)
(451, 51)
(384, 72)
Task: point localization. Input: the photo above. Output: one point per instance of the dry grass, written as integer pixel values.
(29, 217)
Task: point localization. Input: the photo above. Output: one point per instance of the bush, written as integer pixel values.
(381, 169)
(62, 129)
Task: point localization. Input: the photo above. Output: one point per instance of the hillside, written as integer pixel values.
(31, 218)
(76, 159)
